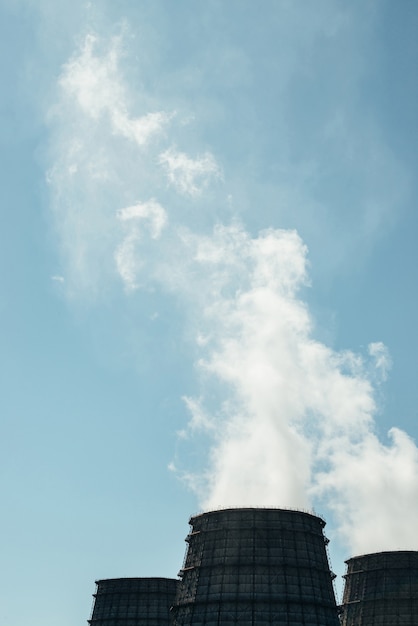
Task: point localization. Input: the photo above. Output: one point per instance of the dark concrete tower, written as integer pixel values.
(133, 602)
(381, 589)
(256, 567)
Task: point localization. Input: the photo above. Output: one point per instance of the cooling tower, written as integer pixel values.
(256, 567)
(133, 602)
(381, 589)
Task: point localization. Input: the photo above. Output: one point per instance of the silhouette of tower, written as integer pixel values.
(133, 602)
(256, 566)
(381, 589)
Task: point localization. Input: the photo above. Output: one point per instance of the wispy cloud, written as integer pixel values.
(189, 176)
(95, 139)
(93, 82)
(147, 216)
(379, 352)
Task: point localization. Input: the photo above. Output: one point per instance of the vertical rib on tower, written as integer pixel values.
(133, 602)
(256, 566)
(381, 589)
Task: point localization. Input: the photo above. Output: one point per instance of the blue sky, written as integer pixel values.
(208, 270)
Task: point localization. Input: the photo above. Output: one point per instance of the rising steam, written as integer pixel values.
(288, 420)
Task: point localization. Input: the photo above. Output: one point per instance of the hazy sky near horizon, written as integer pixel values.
(209, 281)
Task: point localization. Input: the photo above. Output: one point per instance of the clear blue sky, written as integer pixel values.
(208, 278)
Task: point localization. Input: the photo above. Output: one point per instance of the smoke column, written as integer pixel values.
(287, 421)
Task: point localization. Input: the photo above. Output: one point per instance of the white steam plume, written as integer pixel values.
(289, 421)
(295, 422)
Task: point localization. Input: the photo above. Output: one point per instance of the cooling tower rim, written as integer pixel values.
(248, 509)
(380, 553)
(132, 578)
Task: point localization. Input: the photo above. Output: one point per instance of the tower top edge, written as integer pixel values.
(134, 578)
(267, 511)
(389, 553)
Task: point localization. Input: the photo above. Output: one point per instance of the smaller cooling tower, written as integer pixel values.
(256, 567)
(133, 602)
(381, 589)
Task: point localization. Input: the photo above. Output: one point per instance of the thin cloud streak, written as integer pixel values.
(93, 83)
(189, 176)
(103, 162)
(154, 217)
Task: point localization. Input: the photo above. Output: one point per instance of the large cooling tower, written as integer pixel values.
(133, 602)
(256, 567)
(381, 589)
